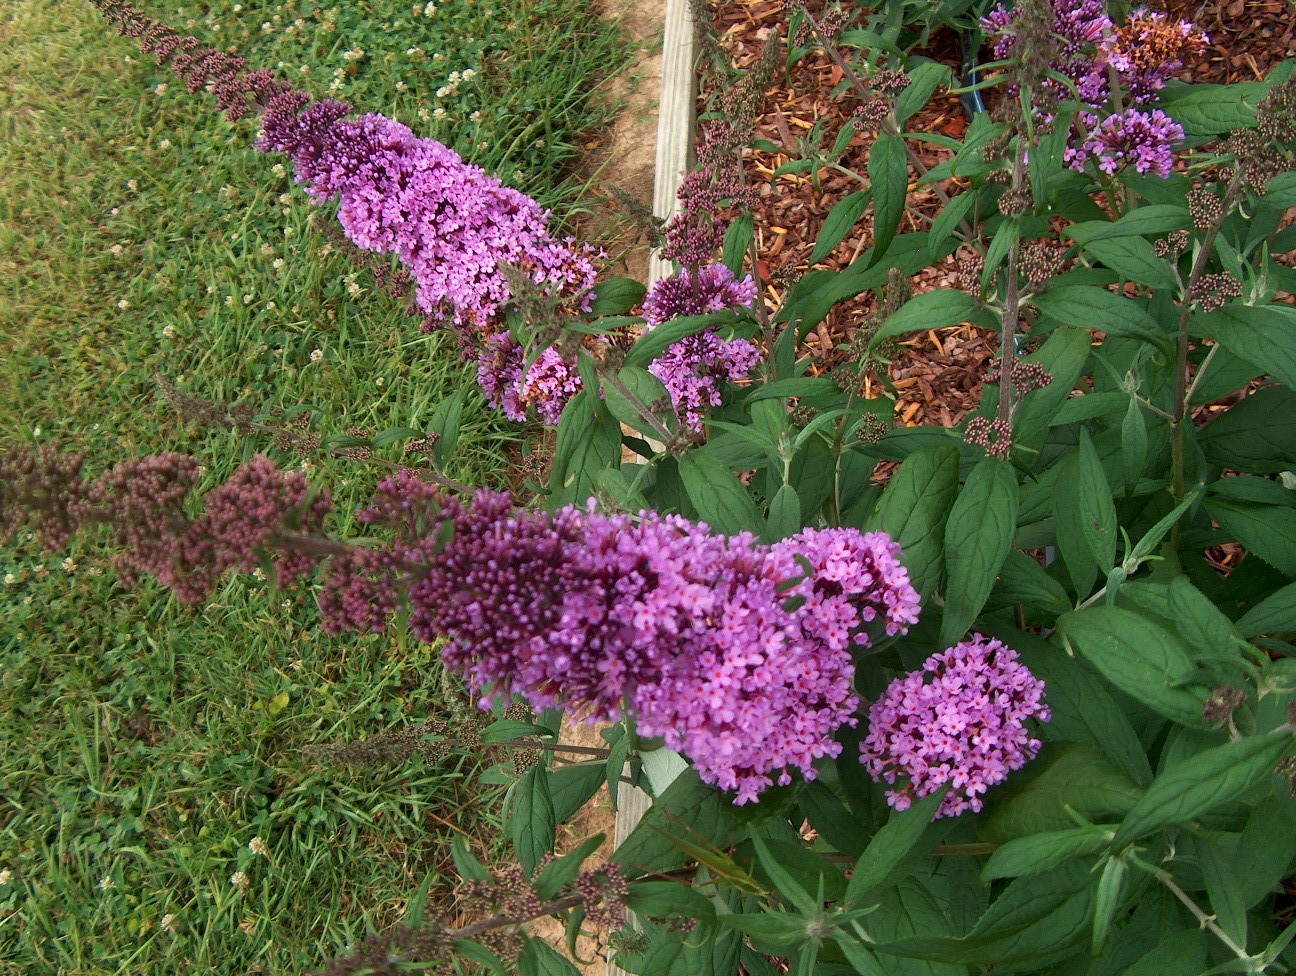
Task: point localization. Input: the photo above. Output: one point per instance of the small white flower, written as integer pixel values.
(354, 290)
(117, 250)
(379, 381)
(401, 86)
(469, 74)
(168, 331)
(123, 304)
(439, 113)
(277, 264)
(107, 884)
(132, 185)
(317, 355)
(36, 432)
(164, 144)
(69, 565)
(9, 580)
(278, 170)
(438, 56)
(285, 198)
(424, 114)
(247, 299)
(266, 27)
(442, 92)
(289, 231)
(270, 306)
(211, 289)
(475, 117)
(6, 875)
(160, 89)
(170, 923)
(115, 211)
(258, 574)
(258, 846)
(229, 301)
(239, 879)
(238, 8)
(429, 9)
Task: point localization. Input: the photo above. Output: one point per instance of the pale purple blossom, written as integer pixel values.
(1135, 137)
(960, 721)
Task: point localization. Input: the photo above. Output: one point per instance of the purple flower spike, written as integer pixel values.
(959, 721)
(1144, 140)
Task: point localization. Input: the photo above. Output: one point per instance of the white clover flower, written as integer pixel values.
(355, 54)
(132, 185)
(270, 306)
(429, 9)
(168, 331)
(266, 250)
(107, 883)
(439, 114)
(469, 74)
(285, 198)
(317, 355)
(9, 580)
(278, 170)
(170, 923)
(116, 250)
(277, 264)
(475, 116)
(240, 880)
(354, 290)
(69, 565)
(259, 847)
(123, 304)
(248, 299)
(164, 144)
(379, 381)
(425, 115)
(6, 875)
(160, 89)
(443, 91)
(401, 86)
(258, 574)
(229, 301)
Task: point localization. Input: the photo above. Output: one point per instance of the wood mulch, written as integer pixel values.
(936, 377)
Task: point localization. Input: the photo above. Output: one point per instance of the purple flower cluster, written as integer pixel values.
(1144, 140)
(453, 226)
(736, 653)
(960, 721)
(692, 368)
(1142, 54)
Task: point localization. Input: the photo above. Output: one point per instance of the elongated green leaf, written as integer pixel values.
(1154, 219)
(1107, 900)
(1263, 335)
(1097, 511)
(1275, 614)
(564, 870)
(1044, 852)
(977, 538)
(720, 498)
(737, 240)
(914, 508)
(951, 216)
(1023, 580)
(889, 847)
(617, 296)
(888, 168)
(844, 216)
(1202, 783)
(1069, 524)
(1208, 110)
(1096, 308)
(1223, 888)
(1256, 435)
(657, 340)
(1139, 657)
(795, 386)
(1133, 259)
(686, 801)
(539, 958)
(648, 390)
(532, 825)
(1264, 852)
(930, 310)
(1267, 531)
(570, 787)
(924, 79)
(444, 423)
(784, 515)
(1134, 444)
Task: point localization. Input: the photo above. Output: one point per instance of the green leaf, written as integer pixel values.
(1202, 783)
(888, 169)
(571, 786)
(977, 538)
(1256, 435)
(839, 222)
(737, 241)
(914, 508)
(479, 954)
(466, 864)
(1202, 623)
(1134, 260)
(444, 424)
(1023, 580)
(1267, 531)
(889, 848)
(777, 929)
(720, 498)
(794, 386)
(1153, 219)
(393, 435)
(923, 82)
(1263, 335)
(1209, 110)
(788, 888)
(1106, 901)
(539, 958)
(689, 801)
(658, 339)
(1139, 657)
(532, 824)
(930, 310)
(950, 217)
(1134, 444)
(1275, 614)
(1038, 853)
(1096, 308)
(784, 515)
(1223, 888)
(1000, 245)
(616, 296)
(649, 391)
(1066, 776)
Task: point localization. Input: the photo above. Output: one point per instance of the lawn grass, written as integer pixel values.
(144, 744)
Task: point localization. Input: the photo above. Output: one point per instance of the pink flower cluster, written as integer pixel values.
(453, 226)
(735, 653)
(692, 368)
(1142, 54)
(960, 721)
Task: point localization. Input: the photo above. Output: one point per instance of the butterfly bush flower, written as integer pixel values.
(1144, 140)
(960, 721)
(735, 653)
(693, 368)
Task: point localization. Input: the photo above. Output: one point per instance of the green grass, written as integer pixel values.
(144, 744)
